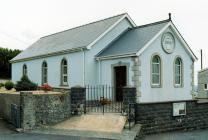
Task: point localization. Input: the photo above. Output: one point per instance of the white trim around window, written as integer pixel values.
(156, 69)
(44, 72)
(64, 72)
(178, 72)
(24, 70)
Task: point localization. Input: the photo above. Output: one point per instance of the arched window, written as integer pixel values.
(44, 73)
(156, 71)
(178, 71)
(24, 69)
(64, 72)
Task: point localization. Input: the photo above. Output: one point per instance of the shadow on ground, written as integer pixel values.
(6, 128)
(187, 135)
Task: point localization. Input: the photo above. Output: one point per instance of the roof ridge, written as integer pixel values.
(153, 23)
(84, 25)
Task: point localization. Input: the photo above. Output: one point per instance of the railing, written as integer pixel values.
(131, 115)
(103, 98)
(15, 115)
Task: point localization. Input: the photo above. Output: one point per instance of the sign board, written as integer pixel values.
(179, 109)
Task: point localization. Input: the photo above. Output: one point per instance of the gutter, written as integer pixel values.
(49, 54)
(83, 68)
(99, 71)
(115, 56)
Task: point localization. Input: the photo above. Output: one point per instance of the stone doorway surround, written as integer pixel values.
(136, 76)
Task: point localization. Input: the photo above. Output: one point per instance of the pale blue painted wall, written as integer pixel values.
(75, 68)
(167, 91)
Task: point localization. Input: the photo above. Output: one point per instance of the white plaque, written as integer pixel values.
(168, 42)
(179, 109)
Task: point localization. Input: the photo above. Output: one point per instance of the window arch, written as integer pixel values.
(24, 69)
(156, 71)
(64, 72)
(178, 71)
(44, 72)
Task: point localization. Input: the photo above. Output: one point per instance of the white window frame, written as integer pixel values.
(181, 72)
(63, 75)
(44, 75)
(206, 86)
(159, 71)
(24, 70)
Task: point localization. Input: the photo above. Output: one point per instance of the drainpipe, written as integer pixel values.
(83, 68)
(201, 59)
(99, 71)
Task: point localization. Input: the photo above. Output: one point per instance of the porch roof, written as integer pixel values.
(131, 41)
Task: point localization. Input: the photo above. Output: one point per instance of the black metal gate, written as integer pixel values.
(102, 99)
(15, 115)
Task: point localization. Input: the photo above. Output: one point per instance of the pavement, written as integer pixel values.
(179, 135)
(7, 133)
(5, 127)
(26, 136)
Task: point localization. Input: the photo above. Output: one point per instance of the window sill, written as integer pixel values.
(156, 86)
(64, 85)
(178, 86)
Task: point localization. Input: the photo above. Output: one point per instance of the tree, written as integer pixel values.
(5, 66)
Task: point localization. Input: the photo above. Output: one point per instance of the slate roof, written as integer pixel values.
(78, 37)
(131, 41)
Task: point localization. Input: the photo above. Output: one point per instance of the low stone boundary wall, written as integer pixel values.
(6, 99)
(43, 109)
(158, 117)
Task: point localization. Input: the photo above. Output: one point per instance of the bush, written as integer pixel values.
(9, 85)
(1, 85)
(25, 84)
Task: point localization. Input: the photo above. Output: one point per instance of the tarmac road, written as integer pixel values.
(189, 135)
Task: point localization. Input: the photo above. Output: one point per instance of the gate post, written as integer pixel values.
(28, 119)
(129, 103)
(78, 100)
(129, 97)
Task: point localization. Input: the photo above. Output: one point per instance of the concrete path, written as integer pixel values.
(190, 135)
(98, 123)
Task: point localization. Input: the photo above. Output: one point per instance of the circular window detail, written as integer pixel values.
(168, 42)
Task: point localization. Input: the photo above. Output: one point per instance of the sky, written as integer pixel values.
(22, 22)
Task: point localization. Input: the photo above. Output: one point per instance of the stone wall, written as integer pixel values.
(44, 109)
(158, 117)
(6, 99)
